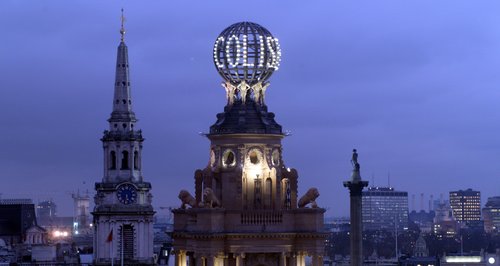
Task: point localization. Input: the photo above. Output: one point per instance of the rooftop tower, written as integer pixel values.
(245, 209)
(123, 214)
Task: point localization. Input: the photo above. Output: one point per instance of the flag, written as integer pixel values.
(110, 236)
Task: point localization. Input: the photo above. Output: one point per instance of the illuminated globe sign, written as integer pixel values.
(246, 55)
(246, 51)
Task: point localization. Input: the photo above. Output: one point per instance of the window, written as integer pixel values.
(124, 160)
(228, 158)
(254, 157)
(112, 158)
(136, 160)
(257, 193)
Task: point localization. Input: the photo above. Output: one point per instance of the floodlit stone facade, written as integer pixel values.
(250, 215)
(245, 209)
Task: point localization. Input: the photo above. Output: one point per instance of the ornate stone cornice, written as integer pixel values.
(202, 235)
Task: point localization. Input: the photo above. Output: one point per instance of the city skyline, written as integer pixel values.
(412, 86)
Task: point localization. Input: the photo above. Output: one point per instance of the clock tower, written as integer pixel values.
(123, 214)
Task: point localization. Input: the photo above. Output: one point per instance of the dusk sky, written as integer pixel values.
(413, 85)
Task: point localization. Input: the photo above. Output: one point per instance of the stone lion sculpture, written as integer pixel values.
(309, 198)
(186, 199)
(209, 198)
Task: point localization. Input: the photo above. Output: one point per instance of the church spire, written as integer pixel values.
(122, 116)
(122, 142)
(123, 200)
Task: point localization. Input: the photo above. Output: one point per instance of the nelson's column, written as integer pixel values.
(355, 186)
(245, 209)
(123, 214)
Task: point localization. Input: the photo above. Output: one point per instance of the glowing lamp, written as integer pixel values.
(463, 259)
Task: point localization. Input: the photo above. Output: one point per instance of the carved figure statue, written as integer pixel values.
(186, 199)
(230, 90)
(309, 198)
(223, 84)
(257, 90)
(263, 93)
(209, 198)
(243, 87)
(354, 160)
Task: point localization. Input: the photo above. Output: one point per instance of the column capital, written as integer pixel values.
(355, 188)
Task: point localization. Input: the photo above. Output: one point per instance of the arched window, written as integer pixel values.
(136, 160)
(112, 158)
(257, 197)
(125, 160)
(268, 193)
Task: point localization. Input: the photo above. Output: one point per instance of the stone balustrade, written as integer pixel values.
(261, 217)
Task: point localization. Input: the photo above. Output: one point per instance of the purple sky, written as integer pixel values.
(413, 85)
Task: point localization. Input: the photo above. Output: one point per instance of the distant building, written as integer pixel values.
(58, 227)
(466, 206)
(424, 220)
(338, 224)
(420, 255)
(444, 223)
(491, 215)
(46, 210)
(384, 208)
(421, 249)
(35, 235)
(82, 219)
(438, 202)
(15, 218)
(15, 201)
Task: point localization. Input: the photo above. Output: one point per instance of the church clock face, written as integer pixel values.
(126, 194)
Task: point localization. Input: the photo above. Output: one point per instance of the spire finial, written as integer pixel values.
(122, 30)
